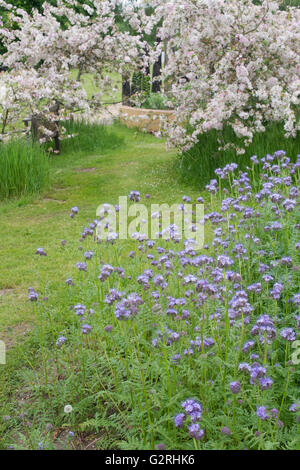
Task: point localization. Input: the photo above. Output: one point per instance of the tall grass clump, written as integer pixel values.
(157, 345)
(82, 137)
(197, 165)
(24, 168)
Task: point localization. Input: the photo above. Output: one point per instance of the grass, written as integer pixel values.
(124, 391)
(198, 164)
(85, 179)
(124, 384)
(24, 168)
(88, 83)
(82, 179)
(87, 137)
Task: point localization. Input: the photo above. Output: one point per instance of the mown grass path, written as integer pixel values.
(86, 181)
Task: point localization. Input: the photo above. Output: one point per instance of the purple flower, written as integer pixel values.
(295, 407)
(296, 299)
(267, 278)
(212, 186)
(188, 352)
(88, 254)
(226, 431)
(160, 446)
(128, 306)
(286, 261)
(113, 296)
(274, 412)
(106, 271)
(276, 226)
(239, 305)
(254, 357)
(61, 340)
(134, 196)
(265, 382)
(247, 346)
(289, 205)
(41, 252)
(193, 409)
(288, 334)
(81, 266)
(179, 418)
(32, 296)
(264, 325)
(224, 261)
(74, 210)
(195, 431)
(244, 366)
(256, 372)
(176, 358)
(262, 413)
(79, 309)
(235, 387)
(255, 288)
(85, 329)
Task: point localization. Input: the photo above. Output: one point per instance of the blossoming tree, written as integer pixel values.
(46, 46)
(232, 63)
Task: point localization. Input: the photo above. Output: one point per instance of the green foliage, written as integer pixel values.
(136, 82)
(283, 3)
(123, 390)
(197, 165)
(29, 5)
(290, 3)
(24, 168)
(140, 83)
(155, 101)
(88, 137)
(44, 221)
(145, 84)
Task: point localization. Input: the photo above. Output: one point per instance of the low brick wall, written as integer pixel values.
(148, 120)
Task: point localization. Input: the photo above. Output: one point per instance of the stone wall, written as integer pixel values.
(148, 120)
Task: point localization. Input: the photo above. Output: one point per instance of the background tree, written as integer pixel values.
(232, 64)
(46, 46)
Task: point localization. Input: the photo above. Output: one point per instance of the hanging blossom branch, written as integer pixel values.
(231, 63)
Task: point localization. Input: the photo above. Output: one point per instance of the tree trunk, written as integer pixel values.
(167, 83)
(156, 85)
(79, 75)
(4, 122)
(126, 91)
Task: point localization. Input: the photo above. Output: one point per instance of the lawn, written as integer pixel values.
(145, 340)
(135, 161)
(184, 337)
(91, 88)
(83, 180)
